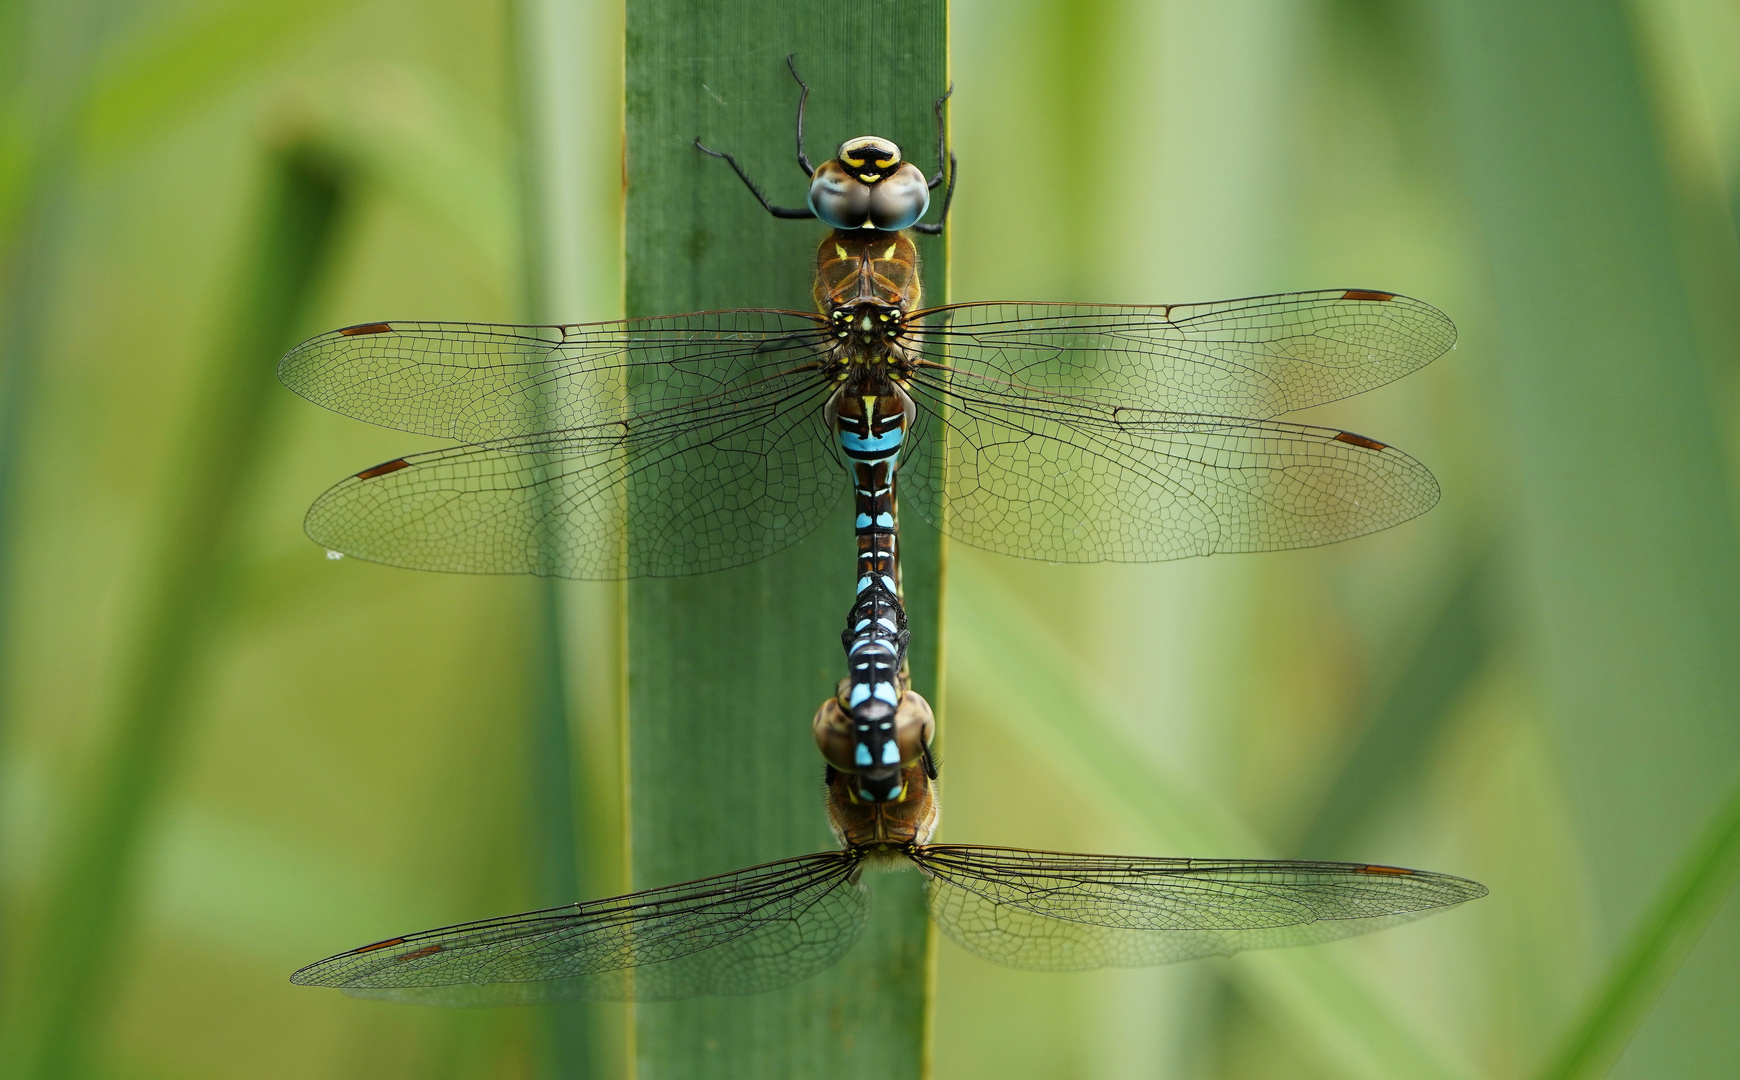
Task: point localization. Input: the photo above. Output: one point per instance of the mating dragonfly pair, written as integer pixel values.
(691, 443)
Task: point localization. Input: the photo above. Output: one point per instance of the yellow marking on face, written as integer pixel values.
(840, 251)
(870, 177)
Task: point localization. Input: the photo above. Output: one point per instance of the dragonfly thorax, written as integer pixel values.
(905, 820)
(859, 267)
(867, 331)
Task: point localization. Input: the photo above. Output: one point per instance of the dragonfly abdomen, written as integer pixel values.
(875, 726)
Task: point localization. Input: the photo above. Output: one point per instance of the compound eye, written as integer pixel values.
(914, 726)
(837, 198)
(899, 200)
(833, 732)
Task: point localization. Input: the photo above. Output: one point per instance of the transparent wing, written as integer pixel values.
(1089, 433)
(738, 933)
(671, 485)
(1257, 357)
(1060, 912)
(477, 382)
(1047, 477)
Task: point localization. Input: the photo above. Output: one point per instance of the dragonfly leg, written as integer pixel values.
(755, 189)
(948, 200)
(942, 144)
(803, 158)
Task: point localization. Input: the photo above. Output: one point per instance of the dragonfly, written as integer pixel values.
(770, 926)
(684, 444)
(689, 443)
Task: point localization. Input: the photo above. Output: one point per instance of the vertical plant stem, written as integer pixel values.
(553, 246)
(726, 670)
(60, 1003)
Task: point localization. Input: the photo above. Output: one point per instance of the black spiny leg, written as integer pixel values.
(755, 189)
(942, 152)
(942, 143)
(803, 159)
(948, 200)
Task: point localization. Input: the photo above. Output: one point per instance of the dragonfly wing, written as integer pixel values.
(1062, 912)
(677, 491)
(738, 933)
(477, 382)
(1046, 477)
(1258, 356)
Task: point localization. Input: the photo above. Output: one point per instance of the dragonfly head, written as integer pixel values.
(867, 186)
(869, 158)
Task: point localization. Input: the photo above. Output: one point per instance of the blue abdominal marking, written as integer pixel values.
(858, 444)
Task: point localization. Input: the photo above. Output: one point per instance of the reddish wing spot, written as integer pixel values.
(382, 328)
(424, 951)
(381, 945)
(400, 463)
(1347, 437)
(1394, 871)
(1351, 294)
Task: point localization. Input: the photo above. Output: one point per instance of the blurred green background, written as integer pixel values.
(223, 756)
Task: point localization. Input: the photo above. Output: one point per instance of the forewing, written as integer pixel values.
(739, 933)
(1061, 912)
(1064, 479)
(477, 382)
(674, 490)
(1257, 356)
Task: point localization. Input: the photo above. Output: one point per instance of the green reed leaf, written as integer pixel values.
(725, 670)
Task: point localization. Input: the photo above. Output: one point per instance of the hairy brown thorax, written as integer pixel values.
(909, 819)
(866, 267)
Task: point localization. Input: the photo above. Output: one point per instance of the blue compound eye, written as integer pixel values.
(838, 198)
(899, 199)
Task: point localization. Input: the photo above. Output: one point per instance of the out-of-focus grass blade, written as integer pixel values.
(409, 133)
(1402, 725)
(182, 66)
(61, 991)
(1689, 899)
(552, 248)
(1625, 505)
(1001, 657)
